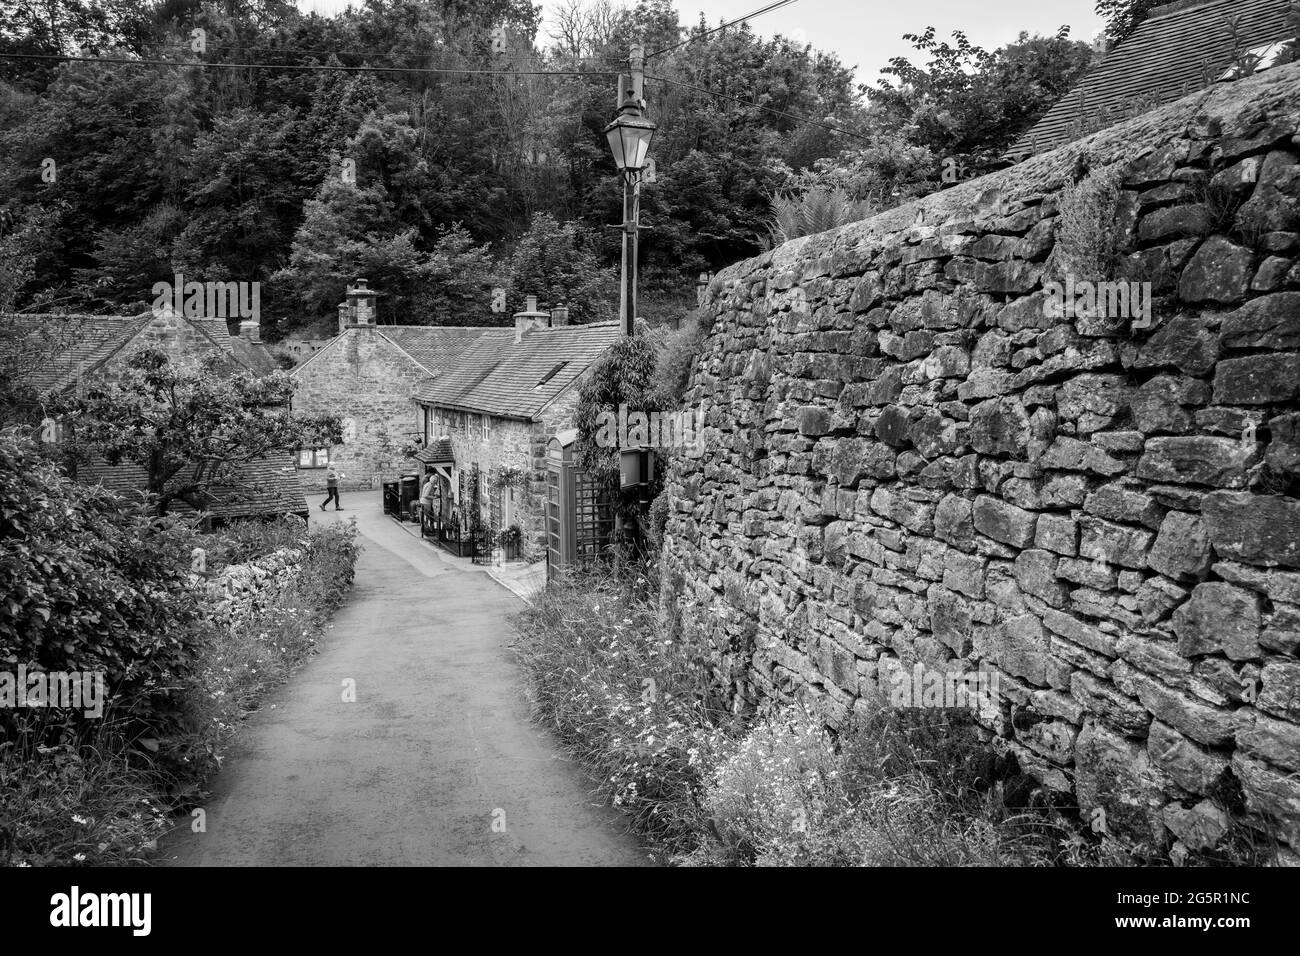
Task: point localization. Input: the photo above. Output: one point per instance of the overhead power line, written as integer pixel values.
(731, 23)
(131, 61)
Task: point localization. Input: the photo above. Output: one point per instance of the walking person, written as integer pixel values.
(332, 477)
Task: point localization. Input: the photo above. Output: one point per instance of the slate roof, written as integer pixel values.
(1180, 48)
(438, 452)
(498, 376)
(60, 349)
(65, 348)
(433, 348)
(254, 356)
(267, 486)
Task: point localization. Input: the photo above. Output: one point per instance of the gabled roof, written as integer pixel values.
(65, 348)
(499, 376)
(438, 452)
(431, 348)
(254, 356)
(267, 486)
(1180, 48)
(56, 350)
(434, 347)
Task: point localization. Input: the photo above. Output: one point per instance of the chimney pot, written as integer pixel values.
(361, 304)
(532, 304)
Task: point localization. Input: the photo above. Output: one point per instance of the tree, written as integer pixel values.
(190, 427)
(967, 105)
(1124, 16)
(459, 277)
(556, 263)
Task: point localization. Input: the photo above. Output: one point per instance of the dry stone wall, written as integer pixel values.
(909, 460)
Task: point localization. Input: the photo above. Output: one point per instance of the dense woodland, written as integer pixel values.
(241, 158)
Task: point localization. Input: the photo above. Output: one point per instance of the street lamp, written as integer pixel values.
(629, 138)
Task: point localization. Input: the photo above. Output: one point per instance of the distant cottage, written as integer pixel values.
(71, 351)
(470, 408)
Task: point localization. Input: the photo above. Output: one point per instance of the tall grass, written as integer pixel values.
(708, 788)
(625, 700)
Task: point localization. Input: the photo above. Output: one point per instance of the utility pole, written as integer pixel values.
(631, 96)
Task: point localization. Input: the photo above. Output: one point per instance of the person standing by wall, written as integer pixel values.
(332, 476)
(426, 499)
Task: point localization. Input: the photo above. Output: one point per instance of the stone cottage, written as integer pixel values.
(509, 392)
(67, 352)
(367, 374)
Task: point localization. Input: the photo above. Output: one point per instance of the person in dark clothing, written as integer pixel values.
(332, 477)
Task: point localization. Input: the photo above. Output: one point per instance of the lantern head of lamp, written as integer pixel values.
(629, 140)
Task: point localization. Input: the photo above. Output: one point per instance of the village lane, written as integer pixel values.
(436, 762)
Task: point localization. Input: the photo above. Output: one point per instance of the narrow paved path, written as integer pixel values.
(437, 748)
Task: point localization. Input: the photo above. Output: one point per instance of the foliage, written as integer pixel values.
(103, 798)
(556, 263)
(90, 584)
(673, 365)
(625, 699)
(815, 210)
(623, 375)
(1087, 242)
(306, 180)
(190, 427)
(1124, 16)
(896, 788)
(967, 104)
(704, 786)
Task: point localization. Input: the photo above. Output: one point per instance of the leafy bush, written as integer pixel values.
(120, 596)
(1087, 244)
(673, 364)
(91, 583)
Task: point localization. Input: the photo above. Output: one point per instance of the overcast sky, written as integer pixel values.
(866, 33)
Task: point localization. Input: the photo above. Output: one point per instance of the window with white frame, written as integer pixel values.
(313, 457)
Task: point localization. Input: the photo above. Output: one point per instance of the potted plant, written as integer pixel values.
(509, 541)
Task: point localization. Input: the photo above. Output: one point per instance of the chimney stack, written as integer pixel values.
(560, 317)
(529, 319)
(250, 329)
(361, 308)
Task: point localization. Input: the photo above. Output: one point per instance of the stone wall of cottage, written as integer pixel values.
(520, 446)
(908, 461)
(363, 378)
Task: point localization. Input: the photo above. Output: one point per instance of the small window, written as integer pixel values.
(313, 457)
(550, 375)
(487, 426)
